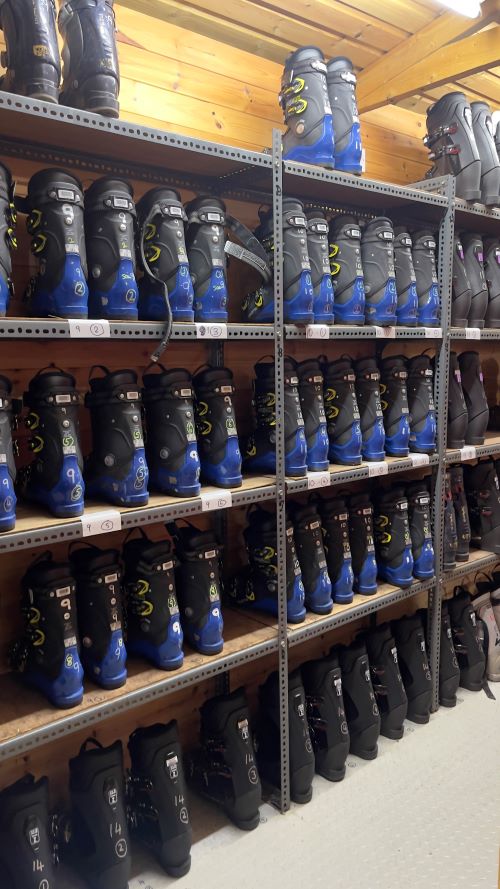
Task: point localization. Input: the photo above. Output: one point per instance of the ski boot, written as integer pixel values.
(91, 75)
(420, 388)
(97, 831)
(26, 845)
(467, 640)
(318, 250)
(341, 82)
(198, 587)
(32, 56)
(363, 717)
(458, 418)
(362, 544)
(8, 240)
(308, 538)
(109, 233)
(461, 513)
(419, 510)
(475, 397)
(161, 217)
(415, 670)
(171, 448)
(370, 409)
(47, 655)
(490, 165)
(461, 290)
(483, 498)
(326, 716)
(99, 601)
(450, 538)
(342, 413)
(205, 241)
(116, 470)
(406, 286)
(387, 681)
(492, 275)
(449, 671)
(260, 453)
(394, 400)
(377, 255)
(347, 271)
(312, 405)
(219, 448)
(7, 464)
(156, 796)
(301, 754)
(335, 521)
(153, 621)
(55, 223)
(225, 770)
(424, 263)
(306, 109)
(454, 150)
(484, 612)
(54, 478)
(392, 538)
(474, 266)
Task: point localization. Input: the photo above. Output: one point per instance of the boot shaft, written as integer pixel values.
(341, 406)
(457, 408)
(414, 665)
(420, 388)
(392, 525)
(150, 584)
(347, 270)
(326, 715)
(490, 166)
(377, 254)
(492, 274)
(215, 415)
(7, 410)
(91, 74)
(32, 57)
(467, 638)
(309, 546)
(8, 240)
(198, 580)
(297, 282)
(359, 697)
(406, 286)
(461, 511)
(335, 522)
(474, 264)
(361, 530)
(261, 542)
(168, 400)
(483, 498)
(99, 598)
(321, 279)
(227, 734)
(370, 408)
(26, 847)
(419, 515)
(205, 242)
(114, 402)
(341, 81)
(394, 399)
(310, 386)
(450, 137)
(450, 540)
(306, 108)
(385, 673)
(462, 293)
(475, 397)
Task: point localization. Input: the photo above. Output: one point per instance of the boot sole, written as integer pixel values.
(302, 798)
(448, 702)
(332, 775)
(248, 825)
(419, 718)
(180, 871)
(365, 754)
(394, 734)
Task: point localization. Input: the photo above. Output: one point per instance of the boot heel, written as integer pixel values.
(301, 790)
(365, 744)
(43, 83)
(419, 709)
(100, 95)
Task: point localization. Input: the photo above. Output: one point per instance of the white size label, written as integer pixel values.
(317, 332)
(216, 500)
(101, 522)
(213, 331)
(378, 468)
(83, 328)
(385, 333)
(317, 480)
(432, 333)
(472, 333)
(419, 459)
(468, 453)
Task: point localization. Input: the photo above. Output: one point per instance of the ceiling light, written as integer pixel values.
(470, 8)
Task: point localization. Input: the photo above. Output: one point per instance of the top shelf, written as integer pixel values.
(476, 217)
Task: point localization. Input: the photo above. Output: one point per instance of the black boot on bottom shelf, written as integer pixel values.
(461, 513)
(387, 682)
(26, 848)
(326, 716)
(483, 498)
(363, 717)
(449, 671)
(467, 640)
(157, 796)
(224, 768)
(414, 665)
(269, 743)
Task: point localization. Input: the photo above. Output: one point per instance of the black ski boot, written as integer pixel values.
(160, 218)
(47, 655)
(414, 665)
(406, 280)
(341, 82)
(99, 843)
(492, 275)
(99, 601)
(387, 682)
(490, 165)
(467, 640)
(392, 538)
(342, 413)
(198, 587)
(109, 233)
(335, 521)
(449, 671)
(377, 255)
(450, 539)
(91, 75)
(306, 109)
(308, 537)
(301, 755)
(419, 511)
(458, 418)
(225, 769)
(54, 478)
(326, 716)
(171, 448)
(362, 543)
(461, 292)
(116, 471)
(311, 382)
(32, 56)
(8, 240)
(55, 223)
(461, 513)
(454, 150)
(483, 498)
(156, 792)
(395, 410)
(321, 278)
(26, 844)
(347, 271)
(475, 397)
(220, 455)
(153, 620)
(370, 409)
(474, 266)
(420, 388)
(424, 262)
(7, 463)
(363, 717)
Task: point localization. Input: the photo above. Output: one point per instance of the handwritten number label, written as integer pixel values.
(83, 328)
(419, 459)
(317, 480)
(432, 333)
(385, 333)
(317, 332)
(468, 453)
(215, 500)
(378, 468)
(101, 523)
(472, 333)
(213, 331)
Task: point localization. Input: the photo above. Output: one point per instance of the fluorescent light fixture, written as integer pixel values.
(470, 8)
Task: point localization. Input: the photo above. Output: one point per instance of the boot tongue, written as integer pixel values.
(309, 368)
(90, 560)
(213, 375)
(117, 379)
(47, 183)
(216, 712)
(94, 761)
(51, 383)
(47, 573)
(145, 743)
(167, 378)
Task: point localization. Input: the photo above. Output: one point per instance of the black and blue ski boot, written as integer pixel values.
(467, 640)
(8, 470)
(91, 75)
(310, 377)
(319, 250)
(362, 544)
(363, 717)
(32, 56)
(461, 292)
(420, 389)
(326, 716)
(219, 449)
(341, 82)
(342, 413)
(371, 417)
(474, 267)
(387, 681)
(393, 543)
(454, 150)
(306, 108)
(347, 271)
(26, 842)
(406, 280)
(335, 522)
(492, 274)
(8, 240)
(308, 537)
(424, 262)
(419, 513)
(394, 400)
(377, 256)
(205, 242)
(414, 665)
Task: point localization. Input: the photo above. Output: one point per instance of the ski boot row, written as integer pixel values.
(472, 511)
(468, 411)
(476, 281)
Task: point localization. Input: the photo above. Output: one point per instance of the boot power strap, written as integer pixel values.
(207, 215)
(250, 250)
(175, 211)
